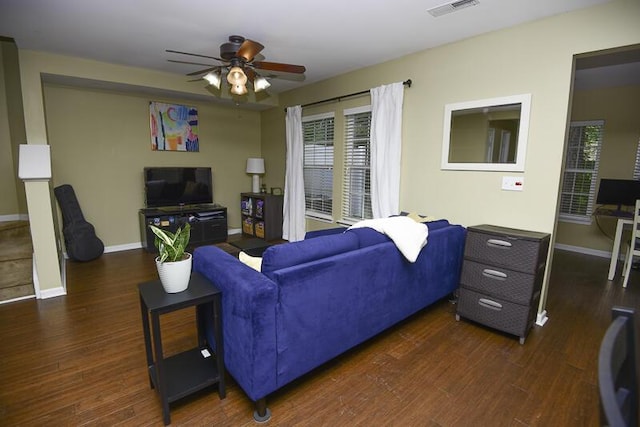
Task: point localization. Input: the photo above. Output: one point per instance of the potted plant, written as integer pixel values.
(173, 263)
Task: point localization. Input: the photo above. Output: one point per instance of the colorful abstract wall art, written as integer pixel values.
(173, 127)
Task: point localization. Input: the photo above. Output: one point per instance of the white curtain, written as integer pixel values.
(386, 149)
(293, 227)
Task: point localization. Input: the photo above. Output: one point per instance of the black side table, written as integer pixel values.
(182, 374)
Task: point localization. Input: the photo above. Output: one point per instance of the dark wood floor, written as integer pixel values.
(79, 360)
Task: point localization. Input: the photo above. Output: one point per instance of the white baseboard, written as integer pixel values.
(52, 293)
(34, 276)
(138, 245)
(542, 318)
(17, 299)
(586, 251)
(125, 247)
(16, 217)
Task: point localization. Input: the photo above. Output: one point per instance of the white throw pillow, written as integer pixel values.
(254, 262)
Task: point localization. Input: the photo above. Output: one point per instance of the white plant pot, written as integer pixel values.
(174, 275)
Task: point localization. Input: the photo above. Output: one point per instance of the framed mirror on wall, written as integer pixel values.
(486, 134)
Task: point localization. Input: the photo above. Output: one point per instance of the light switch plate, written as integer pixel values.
(512, 183)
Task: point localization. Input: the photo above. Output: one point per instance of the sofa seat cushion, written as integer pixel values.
(294, 253)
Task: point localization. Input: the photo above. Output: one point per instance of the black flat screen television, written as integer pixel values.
(177, 186)
(620, 192)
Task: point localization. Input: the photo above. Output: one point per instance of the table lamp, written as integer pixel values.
(256, 167)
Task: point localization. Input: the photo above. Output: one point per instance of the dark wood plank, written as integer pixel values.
(79, 360)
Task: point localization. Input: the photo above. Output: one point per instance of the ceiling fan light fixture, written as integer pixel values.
(239, 59)
(260, 84)
(236, 77)
(239, 89)
(214, 79)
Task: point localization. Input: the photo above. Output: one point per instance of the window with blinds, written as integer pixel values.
(356, 184)
(581, 170)
(636, 165)
(318, 131)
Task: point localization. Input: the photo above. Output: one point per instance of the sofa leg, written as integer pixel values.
(262, 414)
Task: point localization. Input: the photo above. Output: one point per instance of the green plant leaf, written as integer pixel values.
(171, 246)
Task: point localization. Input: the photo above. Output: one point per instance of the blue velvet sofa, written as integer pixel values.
(319, 297)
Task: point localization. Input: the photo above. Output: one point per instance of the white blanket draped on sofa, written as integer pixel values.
(408, 235)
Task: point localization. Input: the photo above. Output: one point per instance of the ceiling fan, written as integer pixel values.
(239, 58)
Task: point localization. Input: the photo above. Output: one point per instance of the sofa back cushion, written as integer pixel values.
(289, 254)
(368, 236)
(325, 232)
(437, 224)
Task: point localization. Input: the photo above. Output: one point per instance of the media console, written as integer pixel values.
(208, 223)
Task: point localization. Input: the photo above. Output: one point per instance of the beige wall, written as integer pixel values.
(539, 61)
(273, 129)
(35, 67)
(100, 143)
(9, 204)
(11, 132)
(619, 107)
(468, 139)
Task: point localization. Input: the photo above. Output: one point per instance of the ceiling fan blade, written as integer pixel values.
(195, 54)
(188, 62)
(292, 77)
(249, 49)
(251, 75)
(276, 66)
(206, 70)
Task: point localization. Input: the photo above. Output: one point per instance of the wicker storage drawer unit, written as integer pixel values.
(502, 277)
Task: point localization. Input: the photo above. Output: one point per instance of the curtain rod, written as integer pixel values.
(339, 98)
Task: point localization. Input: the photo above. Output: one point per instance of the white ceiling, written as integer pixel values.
(329, 37)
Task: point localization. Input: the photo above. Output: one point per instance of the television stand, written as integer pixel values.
(208, 223)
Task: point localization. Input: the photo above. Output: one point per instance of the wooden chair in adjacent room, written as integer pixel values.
(634, 245)
(617, 371)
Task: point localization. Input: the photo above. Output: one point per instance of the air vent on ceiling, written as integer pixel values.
(451, 7)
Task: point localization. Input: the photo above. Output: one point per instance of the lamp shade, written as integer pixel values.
(214, 79)
(236, 76)
(260, 83)
(255, 165)
(239, 90)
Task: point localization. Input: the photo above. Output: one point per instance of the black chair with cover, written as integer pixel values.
(617, 371)
(79, 235)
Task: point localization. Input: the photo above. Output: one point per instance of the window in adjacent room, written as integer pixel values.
(356, 185)
(581, 171)
(636, 166)
(317, 131)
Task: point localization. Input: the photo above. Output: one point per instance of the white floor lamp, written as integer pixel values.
(255, 166)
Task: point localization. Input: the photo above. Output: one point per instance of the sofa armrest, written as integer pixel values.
(248, 318)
